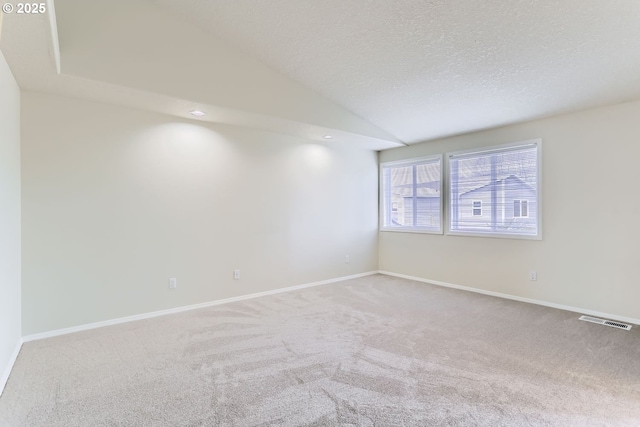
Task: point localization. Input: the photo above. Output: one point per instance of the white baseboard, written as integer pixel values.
(517, 298)
(9, 367)
(117, 321)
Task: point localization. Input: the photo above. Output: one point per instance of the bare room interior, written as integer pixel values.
(319, 213)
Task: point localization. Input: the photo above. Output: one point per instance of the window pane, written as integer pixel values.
(400, 182)
(428, 195)
(504, 181)
(411, 196)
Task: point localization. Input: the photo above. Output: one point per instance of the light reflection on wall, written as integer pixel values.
(179, 156)
(314, 157)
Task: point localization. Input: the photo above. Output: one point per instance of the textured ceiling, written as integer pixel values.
(369, 72)
(422, 69)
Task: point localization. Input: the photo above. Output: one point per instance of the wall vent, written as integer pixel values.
(605, 322)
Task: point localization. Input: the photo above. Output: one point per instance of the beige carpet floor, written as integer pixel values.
(375, 351)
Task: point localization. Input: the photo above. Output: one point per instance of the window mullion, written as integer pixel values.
(494, 190)
(454, 192)
(415, 195)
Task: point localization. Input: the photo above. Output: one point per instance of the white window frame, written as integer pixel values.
(520, 209)
(473, 208)
(411, 162)
(487, 149)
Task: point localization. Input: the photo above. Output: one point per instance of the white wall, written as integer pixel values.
(116, 201)
(10, 312)
(588, 257)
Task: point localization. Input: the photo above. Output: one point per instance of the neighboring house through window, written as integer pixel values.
(494, 191)
(477, 208)
(520, 208)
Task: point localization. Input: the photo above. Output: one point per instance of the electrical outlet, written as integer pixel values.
(346, 259)
(533, 275)
(236, 274)
(173, 282)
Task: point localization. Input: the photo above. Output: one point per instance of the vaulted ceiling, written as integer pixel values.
(372, 73)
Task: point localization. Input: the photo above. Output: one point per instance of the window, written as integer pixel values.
(411, 195)
(477, 208)
(495, 191)
(520, 209)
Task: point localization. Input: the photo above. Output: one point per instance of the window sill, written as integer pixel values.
(411, 230)
(494, 235)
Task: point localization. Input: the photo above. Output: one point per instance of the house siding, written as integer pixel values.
(507, 191)
(428, 211)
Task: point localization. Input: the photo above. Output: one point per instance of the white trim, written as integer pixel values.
(117, 321)
(412, 161)
(493, 234)
(509, 146)
(411, 230)
(9, 367)
(516, 298)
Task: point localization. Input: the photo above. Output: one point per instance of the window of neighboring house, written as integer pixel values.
(520, 208)
(411, 195)
(495, 191)
(477, 208)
